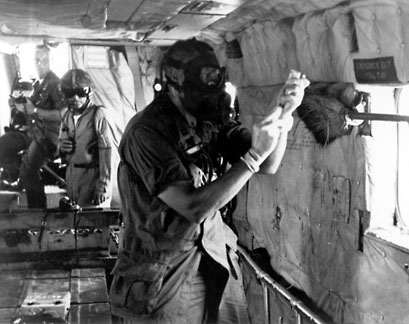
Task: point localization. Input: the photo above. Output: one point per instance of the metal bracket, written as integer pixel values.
(364, 119)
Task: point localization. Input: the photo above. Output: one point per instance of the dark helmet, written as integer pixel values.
(76, 78)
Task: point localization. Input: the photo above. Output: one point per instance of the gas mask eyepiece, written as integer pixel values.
(205, 74)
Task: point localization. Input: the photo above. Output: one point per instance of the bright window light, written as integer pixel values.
(59, 60)
(403, 160)
(231, 90)
(381, 159)
(6, 48)
(26, 58)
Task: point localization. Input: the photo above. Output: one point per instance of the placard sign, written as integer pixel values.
(375, 70)
(96, 57)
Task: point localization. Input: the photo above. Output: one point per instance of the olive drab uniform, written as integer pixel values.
(43, 133)
(152, 275)
(47, 95)
(91, 167)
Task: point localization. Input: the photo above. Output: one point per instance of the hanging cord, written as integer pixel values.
(40, 236)
(77, 220)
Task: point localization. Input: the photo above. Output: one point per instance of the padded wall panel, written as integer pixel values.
(265, 9)
(268, 53)
(255, 102)
(305, 215)
(230, 55)
(324, 44)
(329, 45)
(381, 30)
(315, 242)
(379, 284)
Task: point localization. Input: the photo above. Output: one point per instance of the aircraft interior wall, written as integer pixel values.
(313, 215)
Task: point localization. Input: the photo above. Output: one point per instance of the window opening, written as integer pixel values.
(59, 60)
(381, 158)
(231, 90)
(402, 212)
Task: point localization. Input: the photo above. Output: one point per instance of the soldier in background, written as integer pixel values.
(43, 109)
(178, 262)
(88, 143)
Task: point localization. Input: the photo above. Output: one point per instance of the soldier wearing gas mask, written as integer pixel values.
(177, 255)
(87, 143)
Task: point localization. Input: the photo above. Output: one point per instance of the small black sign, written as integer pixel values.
(376, 70)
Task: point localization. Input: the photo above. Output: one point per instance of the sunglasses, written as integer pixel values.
(80, 92)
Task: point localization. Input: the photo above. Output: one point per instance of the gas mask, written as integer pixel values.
(203, 89)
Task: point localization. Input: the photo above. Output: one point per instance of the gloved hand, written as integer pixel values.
(265, 134)
(266, 131)
(292, 93)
